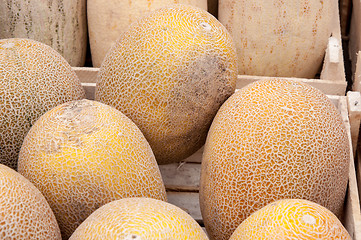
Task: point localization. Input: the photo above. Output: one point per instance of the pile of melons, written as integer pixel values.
(276, 152)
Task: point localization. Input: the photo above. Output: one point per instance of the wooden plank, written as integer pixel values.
(86, 74)
(356, 81)
(358, 168)
(181, 176)
(326, 86)
(355, 33)
(352, 217)
(333, 69)
(189, 202)
(89, 90)
(354, 114)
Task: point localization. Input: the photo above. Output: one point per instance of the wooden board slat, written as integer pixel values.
(189, 202)
(352, 217)
(329, 87)
(354, 114)
(181, 176)
(86, 74)
(356, 84)
(355, 33)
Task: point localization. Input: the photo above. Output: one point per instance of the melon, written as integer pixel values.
(108, 19)
(170, 72)
(139, 219)
(83, 154)
(271, 140)
(61, 24)
(24, 212)
(280, 38)
(291, 219)
(33, 79)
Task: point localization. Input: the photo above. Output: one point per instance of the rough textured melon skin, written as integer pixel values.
(108, 19)
(279, 38)
(272, 140)
(138, 219)
(24, 212)
(33, 79)
(84, 154)
(60, 24)
(292, 219)
(169, 73)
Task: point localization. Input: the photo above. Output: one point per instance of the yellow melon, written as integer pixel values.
(33, 79)
(280, 38)
(291, 219)
(84, 154)
(24, 212)
(139, 219)
(107, 19)
(169, 73)
(271, 140)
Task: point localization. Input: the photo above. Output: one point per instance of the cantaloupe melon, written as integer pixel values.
(272, 140)
(84, 154)
(279, 38)
(139, 219)
(291, 219)
(108, 19)
(169, 73)
(60, 24)
(33, 79)
(24, 212)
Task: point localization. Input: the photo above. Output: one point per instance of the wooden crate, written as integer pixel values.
(182, 179)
